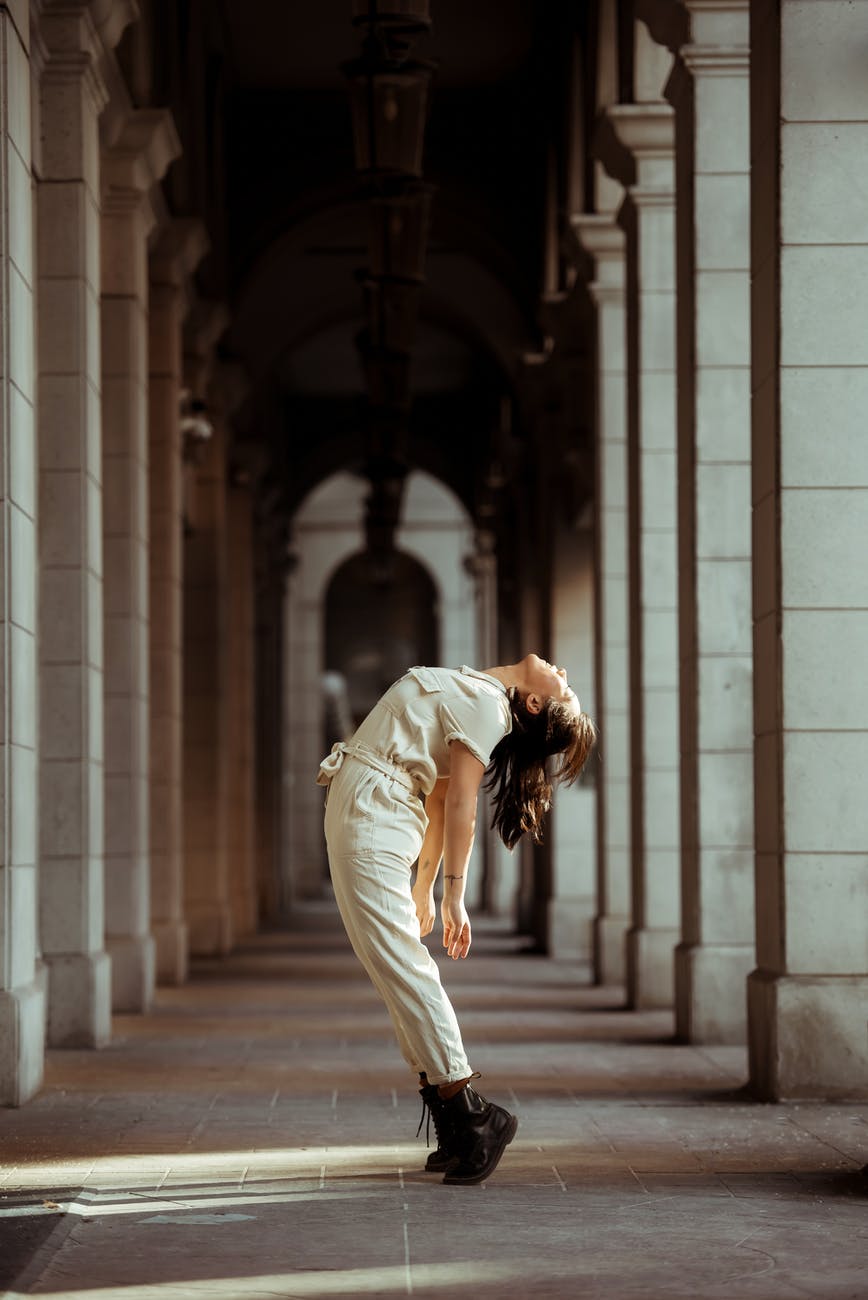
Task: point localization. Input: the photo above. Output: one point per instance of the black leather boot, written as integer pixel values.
(435, 1107)
(480, 1133)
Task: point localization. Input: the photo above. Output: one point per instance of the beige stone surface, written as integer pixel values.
(165, 317)
(255, 1135)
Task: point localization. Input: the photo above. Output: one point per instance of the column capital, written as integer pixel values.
(608, 149)
(206, 321)
(636, 143)
(646, 133)
(599, 234)
(646, 130)
(147, 143)
(695, 62)
(112, 18)
(716, 60)
(603, 240)
(180, 247)
(481, 562)
(72, 47)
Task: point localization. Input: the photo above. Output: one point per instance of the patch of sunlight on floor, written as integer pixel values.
(397, 1279)
(288, 1159)
(102, 1204)
(150, 1184)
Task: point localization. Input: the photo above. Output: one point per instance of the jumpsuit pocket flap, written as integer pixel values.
(428, 678)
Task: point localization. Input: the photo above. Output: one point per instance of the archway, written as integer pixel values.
(379, 621)
(434, 543)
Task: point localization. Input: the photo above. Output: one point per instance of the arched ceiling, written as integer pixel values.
(478, 42)
(290, 222)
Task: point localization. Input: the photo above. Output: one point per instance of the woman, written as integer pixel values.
(435, 733)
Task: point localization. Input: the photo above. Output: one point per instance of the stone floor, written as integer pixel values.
(254, 1137)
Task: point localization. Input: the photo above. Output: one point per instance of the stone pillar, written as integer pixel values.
(708, 87)
(290, 636)
(207, 892)
(180, 248)
(274, 713)
(602, 239)
(136, 162)
(808, 996)
(646, 132)
(72, 809)
(241, 711)
(500, 875)
(572, 904)
(22, 999)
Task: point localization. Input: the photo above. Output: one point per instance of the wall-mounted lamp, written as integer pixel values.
(196, 428)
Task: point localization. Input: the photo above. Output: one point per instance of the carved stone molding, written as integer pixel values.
(604, 242)
(73, 48)
(181, 245)
(147, 144)
(647, 131)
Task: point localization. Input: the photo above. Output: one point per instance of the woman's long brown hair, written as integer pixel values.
(521, 773)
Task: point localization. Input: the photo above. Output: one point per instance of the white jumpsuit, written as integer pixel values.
(375, 822)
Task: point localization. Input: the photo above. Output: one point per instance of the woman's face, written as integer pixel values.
(547, 682)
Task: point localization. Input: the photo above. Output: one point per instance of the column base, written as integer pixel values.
(650, 968)
(22, 1043)
(210, 928)
(133, 972)
(807, 1036)
(569, 930)
(171, 948)
(610, 949)
(79, 999)
(711, 993)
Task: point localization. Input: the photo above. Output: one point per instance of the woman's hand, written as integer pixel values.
(456, 928)
(423, 901)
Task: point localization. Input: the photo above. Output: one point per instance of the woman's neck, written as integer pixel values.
(508, 674)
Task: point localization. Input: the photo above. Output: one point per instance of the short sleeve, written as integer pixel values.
(479, 721)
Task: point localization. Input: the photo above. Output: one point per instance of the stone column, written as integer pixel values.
(242, 704)
(646, 132)
(139, 158)
(207, 892)
(497, 895)
(179, 250)
(22, 999)
(572, 904)
(274, 716)
(70, 534)
(708, 87)
(603, 240)
(807, 999)
(291, 649)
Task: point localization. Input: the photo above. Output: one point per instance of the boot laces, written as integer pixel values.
(437, 1115)
(431, 1115)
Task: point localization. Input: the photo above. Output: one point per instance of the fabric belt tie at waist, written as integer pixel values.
(335, 761)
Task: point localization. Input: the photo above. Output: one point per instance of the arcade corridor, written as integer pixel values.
(254, 1136)
(341, 337)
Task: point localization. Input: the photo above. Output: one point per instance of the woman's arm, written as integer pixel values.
(465, 776)
(430, 857)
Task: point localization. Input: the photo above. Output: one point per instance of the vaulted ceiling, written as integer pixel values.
(264, 109)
